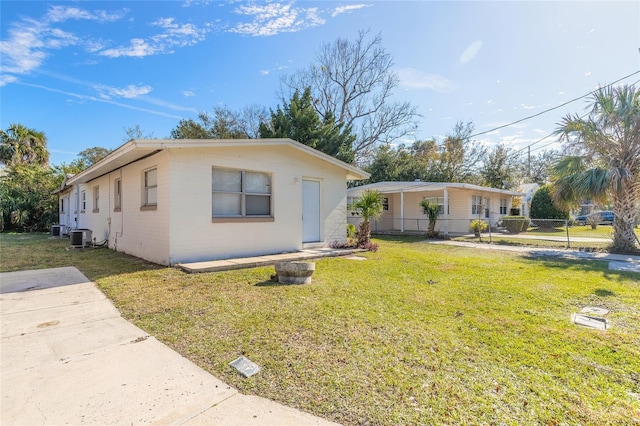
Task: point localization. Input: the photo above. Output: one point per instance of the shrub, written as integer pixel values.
(479, 225)
(542, 206)
(515, 224)
(369, 246)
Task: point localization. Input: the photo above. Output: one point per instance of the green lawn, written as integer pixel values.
(415, 334)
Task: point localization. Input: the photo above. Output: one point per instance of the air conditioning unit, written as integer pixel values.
(58, 230)
(80, 238)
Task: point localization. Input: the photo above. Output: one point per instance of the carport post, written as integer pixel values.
(402, 211)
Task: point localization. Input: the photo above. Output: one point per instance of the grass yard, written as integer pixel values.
(415, 334)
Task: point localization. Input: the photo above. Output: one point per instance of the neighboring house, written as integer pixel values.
(460, 203)
(528, 189)
(177, 201)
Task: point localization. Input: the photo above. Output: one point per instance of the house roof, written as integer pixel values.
(137, 149)
(395, 187)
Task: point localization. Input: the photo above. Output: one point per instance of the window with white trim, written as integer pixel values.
(96, 199)
(117, 194)
(61, 205)
(385, 204)
(240, 193)
(476, 204)
(83, 201)
(503, 206)
(439, 201)
(150, 193)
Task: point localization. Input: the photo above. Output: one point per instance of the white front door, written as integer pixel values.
(310, 211)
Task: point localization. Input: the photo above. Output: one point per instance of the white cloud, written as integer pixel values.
(6, 79)
(587, 74)
(412, 78)
(63, 13)
(347, 9)
(470, 52)
(274, 18)
(175, 35)
(128, 92)
(264, 72)
(188, 93)
(30, 40)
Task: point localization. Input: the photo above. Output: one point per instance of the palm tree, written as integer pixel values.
(370, 207)
(604, 160)
(22, 145)
(431, 209)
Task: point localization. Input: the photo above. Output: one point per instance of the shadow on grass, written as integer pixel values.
(591, 265)
(603, 292)
(21, 252)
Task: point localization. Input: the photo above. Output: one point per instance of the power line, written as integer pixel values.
(551, 109)
(583, 116)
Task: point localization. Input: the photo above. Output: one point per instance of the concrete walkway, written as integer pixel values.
(68, 357)
(252, 262)
(619, 262)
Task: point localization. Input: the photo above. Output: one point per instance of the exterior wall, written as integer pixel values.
(67, 209)
(132, 230)
(194, 236)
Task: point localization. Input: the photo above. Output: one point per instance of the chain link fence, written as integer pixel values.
(557, 230)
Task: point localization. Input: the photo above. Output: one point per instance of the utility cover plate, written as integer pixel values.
(594, 310)
(591, 322)
(245, 366)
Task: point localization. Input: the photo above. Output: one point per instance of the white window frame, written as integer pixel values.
(385, 203)
(503, 206)
(146, 187)
(243, 194)
(117, 194)
(96, 199)
(83, 201)
(476, 205)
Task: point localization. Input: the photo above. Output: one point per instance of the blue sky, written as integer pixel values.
(83, 71)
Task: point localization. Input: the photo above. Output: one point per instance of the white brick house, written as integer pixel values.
(177, 201)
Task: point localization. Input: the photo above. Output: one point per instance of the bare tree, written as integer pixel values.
(136, 133)
(354, 82)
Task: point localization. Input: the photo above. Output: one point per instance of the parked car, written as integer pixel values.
(601, 218)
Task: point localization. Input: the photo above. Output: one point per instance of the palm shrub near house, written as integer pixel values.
(431, 209)
(369, 206)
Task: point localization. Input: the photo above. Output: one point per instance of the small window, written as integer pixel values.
(476, 204)
(96, 199)
(240, 193)
(150, 188)
(503, 206)
(385, 204)
(61, 205)
(83, 201)
(117, 194)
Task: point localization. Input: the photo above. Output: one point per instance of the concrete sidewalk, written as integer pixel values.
(255, 261)
(68, 357)
(619, 262)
